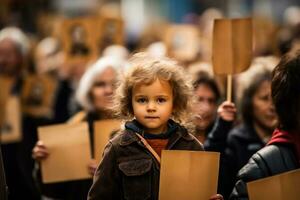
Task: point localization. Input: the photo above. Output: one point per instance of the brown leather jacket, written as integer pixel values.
(128, 169)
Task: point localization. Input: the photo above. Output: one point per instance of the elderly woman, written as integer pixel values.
(94, 94)
(14, 48)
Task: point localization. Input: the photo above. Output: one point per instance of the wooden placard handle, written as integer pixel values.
(229, 87)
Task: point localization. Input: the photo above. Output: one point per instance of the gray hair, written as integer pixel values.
(18, 37)
(89, 77)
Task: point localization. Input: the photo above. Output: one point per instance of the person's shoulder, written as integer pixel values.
(240, 132)
(195, 144)
(270, 160)
(123, 137)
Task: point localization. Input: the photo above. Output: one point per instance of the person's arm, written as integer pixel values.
(216, 140)
(106, 184)
(253, 170)
(3, 186)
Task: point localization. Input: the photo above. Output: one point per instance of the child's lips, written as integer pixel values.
(151, 117)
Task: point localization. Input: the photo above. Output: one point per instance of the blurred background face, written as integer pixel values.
(10, 59)
(205, 107)
(263, 109)
(103, 89)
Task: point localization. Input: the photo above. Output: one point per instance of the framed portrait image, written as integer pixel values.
(182, 42)
(110, 31)
(38, 95)
(78, 39)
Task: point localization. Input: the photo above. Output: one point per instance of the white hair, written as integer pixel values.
(18, 37)
(90, 76)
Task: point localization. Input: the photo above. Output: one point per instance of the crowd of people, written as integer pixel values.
(165, 103)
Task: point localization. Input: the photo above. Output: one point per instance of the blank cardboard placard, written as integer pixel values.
(191, 175)
(182, 42)
(278, 187)
(232, 45)
(69, 148)
(102, 131)
(10, 131)
(5, 92)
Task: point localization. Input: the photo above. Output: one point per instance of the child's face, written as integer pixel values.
(153, 105)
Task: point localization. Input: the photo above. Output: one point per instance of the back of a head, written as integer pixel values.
(286, 91)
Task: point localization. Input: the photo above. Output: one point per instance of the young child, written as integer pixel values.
(154, 94)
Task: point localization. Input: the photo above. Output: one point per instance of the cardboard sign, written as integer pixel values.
(78, 37)
(10, 128)
(182, 42)
(110, 31)
(232, 45)
(69, 148)
(5, 93)
(189, 175)
(232, 48)
(278, 187)
(102, 133)
(38, 95)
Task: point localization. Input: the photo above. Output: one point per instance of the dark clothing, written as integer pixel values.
(269, 161)
(129, 171)
(17, 160)
(236, 147)
(3, 186)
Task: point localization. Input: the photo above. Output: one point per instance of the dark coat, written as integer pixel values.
(129, 171)
(269, 161)
(236, 147)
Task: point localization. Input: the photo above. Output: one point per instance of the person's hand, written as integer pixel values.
(40, 151)
(227, 111)
(92, 166)
(216, 197)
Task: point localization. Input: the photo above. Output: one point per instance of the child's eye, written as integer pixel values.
(141, 100)
(161, 100)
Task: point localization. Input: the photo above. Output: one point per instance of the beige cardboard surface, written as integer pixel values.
(10, 131)
(232, 45)
(102, 131)
(6, 85)
(191, 175)
(69, 149)
(280, 187)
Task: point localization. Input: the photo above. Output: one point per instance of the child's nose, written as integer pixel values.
(151, 106)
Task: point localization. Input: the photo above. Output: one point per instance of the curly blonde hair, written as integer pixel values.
(145, 69)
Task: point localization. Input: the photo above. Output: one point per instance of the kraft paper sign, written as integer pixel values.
(232, 45)
(191, 175)
(6, 87)
(69, 149)
(232, 48)
(38, 95)
(10, 128)
(78, 36)
(182, 42)
(103, 130)
(110, 31)
(278, 187)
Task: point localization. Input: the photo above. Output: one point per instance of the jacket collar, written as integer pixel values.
(129, 136)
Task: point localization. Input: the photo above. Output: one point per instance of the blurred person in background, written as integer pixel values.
(282, 152)
(207, 95)
(94, 94)
(14, 49)
(258, 122)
